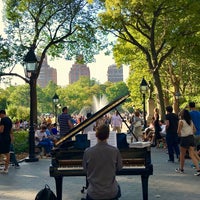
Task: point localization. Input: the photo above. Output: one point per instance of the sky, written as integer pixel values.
(98, 69)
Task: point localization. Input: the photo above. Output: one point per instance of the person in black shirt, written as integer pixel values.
(171, 133)
(5, 138)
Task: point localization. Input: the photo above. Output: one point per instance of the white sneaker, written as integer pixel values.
(181, 171)
(197, 173)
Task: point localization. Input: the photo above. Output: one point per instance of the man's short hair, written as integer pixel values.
(169, 109)
(192, 104)
(102, 132)
(2, 112)
(64, 108)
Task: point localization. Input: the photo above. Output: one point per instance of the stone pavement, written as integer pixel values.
(164, 184)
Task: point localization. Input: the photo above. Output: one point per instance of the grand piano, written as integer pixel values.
(67, 158)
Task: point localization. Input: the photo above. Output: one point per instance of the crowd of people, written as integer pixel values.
(179, 134)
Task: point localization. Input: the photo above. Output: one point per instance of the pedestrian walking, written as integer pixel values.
(6, 136)
(171, 133)
(186, 130)
(195, 116)
(116, 122)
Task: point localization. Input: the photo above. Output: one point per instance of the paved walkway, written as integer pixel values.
(164, 184)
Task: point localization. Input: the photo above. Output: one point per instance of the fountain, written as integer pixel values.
(85, 110)
(99, 103)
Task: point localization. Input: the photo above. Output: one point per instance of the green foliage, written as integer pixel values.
(150, 31)
(116, 90)
(64, 28)
(21, 141)
(76, 96)
(18, 112)
(79, 94)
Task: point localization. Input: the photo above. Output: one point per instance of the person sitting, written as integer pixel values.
(50, 135)
(42, 140)
(54, 129)
(148, 134)
(100, 163)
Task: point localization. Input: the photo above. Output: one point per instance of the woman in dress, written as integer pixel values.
(157, 127)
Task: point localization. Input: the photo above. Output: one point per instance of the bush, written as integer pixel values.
(21, 141)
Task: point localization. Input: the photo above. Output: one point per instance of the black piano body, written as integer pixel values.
(67, 159)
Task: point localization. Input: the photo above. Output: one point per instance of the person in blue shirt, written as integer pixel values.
(195, 115)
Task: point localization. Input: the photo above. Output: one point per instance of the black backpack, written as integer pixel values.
(45, 194)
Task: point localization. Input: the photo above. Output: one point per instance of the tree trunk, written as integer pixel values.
(159, 92)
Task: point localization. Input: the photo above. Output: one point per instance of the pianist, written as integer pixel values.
(100, 163)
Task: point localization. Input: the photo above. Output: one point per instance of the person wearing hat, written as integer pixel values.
(6, 137)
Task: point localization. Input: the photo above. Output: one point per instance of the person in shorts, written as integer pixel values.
(6, 137)
(186, 130)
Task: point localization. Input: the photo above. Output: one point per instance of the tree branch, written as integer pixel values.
(14, 74)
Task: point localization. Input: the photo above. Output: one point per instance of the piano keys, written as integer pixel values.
(67, 160)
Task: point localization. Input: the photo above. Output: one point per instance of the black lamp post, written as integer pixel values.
(31, 65)
(143, 90)
(55, 101)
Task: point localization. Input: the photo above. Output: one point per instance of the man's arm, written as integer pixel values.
(1, 128)
(167, 124)
(119, 161)
(71, 125)
(180, 125)
(11, 136)
(84, 163)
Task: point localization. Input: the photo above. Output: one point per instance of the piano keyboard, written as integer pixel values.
(81, 168)
(138, 163)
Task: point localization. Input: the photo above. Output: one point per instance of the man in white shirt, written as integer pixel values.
(116, 122)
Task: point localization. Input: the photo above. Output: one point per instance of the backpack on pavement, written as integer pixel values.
(45, 194)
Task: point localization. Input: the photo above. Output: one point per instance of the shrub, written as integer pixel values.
(21, 141)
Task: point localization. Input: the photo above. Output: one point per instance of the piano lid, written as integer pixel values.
(92, 119)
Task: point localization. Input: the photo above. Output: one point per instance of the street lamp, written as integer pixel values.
(143, 90)
(55, 101)
(31, 64)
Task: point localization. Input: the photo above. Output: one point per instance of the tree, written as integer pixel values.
(153, 28)
(79, 94)
(116, 90)
(57, 28)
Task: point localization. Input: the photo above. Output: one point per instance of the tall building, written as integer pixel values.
(47, 74)
(115, 74)
(79, 69)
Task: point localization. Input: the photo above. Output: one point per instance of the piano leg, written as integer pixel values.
(144, 179)
(59, 181)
